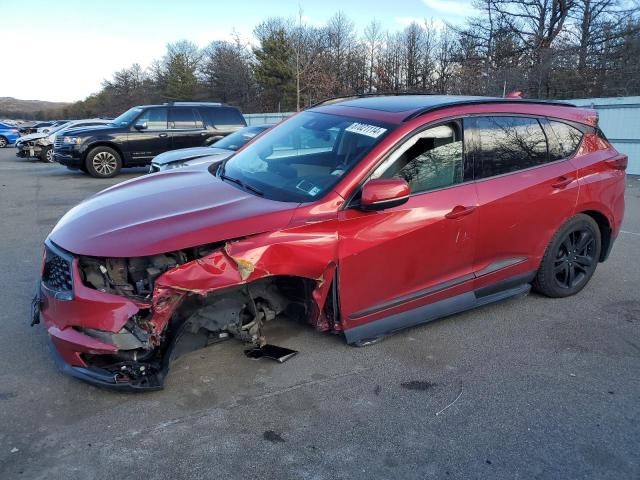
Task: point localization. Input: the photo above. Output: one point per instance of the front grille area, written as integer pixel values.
(57, 273)
(59, 141)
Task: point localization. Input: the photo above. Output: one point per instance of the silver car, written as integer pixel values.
(217, 152)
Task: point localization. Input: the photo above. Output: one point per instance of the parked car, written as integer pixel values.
(48, 128)
(40, 145)
(360, 217)
(217, 152)
(32, 127)
(9, 134)
(134, 138)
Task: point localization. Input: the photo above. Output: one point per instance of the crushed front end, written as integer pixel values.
(119, 322)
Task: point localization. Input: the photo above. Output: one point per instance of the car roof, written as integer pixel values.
(401, 108)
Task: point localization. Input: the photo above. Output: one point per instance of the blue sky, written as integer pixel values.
(71, 46)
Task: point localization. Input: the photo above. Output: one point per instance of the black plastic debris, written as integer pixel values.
(279, 354)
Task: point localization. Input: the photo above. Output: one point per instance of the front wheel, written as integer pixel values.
(3, 142)
(46, 155)
(103, 162)
(570, 259)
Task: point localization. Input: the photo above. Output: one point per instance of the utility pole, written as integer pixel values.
(298, 41)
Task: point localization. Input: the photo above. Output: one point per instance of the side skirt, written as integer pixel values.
(512, 287)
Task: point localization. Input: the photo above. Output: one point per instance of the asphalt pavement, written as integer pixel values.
(529, 388)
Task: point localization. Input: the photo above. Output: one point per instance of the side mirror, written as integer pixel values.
(140, 126)
(384, 193)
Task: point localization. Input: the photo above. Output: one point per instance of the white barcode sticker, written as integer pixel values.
(364, 129)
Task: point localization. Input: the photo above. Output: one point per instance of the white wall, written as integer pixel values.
(620, 122)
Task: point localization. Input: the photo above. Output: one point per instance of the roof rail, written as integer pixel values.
(483, 101)
(187, 104)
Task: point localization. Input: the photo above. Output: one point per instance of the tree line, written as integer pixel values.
(544, 48)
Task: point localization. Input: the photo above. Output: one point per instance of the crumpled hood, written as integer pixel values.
(165, 212)
(32, 136)
(184, 154)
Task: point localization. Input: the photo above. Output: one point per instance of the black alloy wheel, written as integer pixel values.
(570, 259)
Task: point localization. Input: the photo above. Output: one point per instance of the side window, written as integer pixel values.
(507, 144)
(183, 118)
(222, 116)
(567, 140)
(156, 118)
(429, 160)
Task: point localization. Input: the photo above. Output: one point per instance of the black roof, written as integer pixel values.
(416, 104)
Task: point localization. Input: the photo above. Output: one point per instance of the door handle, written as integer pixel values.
(163, 135)
(203, 133)
(562, 182)
(459, 211)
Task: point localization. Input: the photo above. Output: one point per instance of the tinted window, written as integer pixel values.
(567, 140)
(429, 160)
(156, 118)
(184, 118)
(507, 144)
(215, 116)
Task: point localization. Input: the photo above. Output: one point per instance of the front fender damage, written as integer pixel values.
(231, 293)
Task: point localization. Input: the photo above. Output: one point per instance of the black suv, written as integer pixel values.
(143, 132)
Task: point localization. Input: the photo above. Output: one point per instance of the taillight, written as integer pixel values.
(618, 162)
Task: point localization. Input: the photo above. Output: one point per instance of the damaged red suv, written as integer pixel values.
(360, 216)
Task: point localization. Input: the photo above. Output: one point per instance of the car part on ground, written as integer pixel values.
(144, 132)
(359, 218)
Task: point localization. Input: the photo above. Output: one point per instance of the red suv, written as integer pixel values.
(362, 216)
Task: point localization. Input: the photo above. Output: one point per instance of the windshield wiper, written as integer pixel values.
(242, 184)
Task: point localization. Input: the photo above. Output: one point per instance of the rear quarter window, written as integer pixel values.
(222, 116)
(567, 140)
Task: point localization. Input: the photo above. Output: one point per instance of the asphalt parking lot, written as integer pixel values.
(530, 388)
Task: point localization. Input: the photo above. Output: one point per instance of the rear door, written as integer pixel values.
(144, 144)
(186, 128)
(524, 194)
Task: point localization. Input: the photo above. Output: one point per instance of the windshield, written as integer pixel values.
(304, 157)
(238, 139)
(59, 127)
(127, 117)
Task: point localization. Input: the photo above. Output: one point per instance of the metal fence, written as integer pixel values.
(620, 122)
(265, 118)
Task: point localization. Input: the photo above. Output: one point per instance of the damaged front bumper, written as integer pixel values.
(29, 149)
(106, 332)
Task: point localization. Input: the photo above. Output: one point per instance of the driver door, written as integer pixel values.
(401, 258)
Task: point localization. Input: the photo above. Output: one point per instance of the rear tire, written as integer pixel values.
(46, 155)
(570, 259)
(3, 142)
(103, 162)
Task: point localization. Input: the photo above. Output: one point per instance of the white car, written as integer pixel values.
(40, 145)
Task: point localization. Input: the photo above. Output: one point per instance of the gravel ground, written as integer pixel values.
(529, 388)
